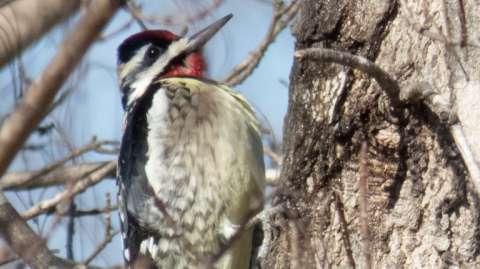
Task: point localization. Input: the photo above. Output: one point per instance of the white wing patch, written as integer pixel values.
(157, 122)
(144, 246)
(149, 245)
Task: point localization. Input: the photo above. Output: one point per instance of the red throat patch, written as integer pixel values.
(193, 65)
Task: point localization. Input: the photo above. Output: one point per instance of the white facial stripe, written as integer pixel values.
(145, 78)
(133, 63)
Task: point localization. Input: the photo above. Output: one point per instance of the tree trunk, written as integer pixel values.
(422, 209)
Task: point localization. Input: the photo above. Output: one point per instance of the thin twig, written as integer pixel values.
(59, 176)
(29, 113)
(277, 158)
(136, 15)
(245, 68)
(37, 99)
(61, 99)
(78, 187)
(93, 145)
(107, 37)
(185, 19)
(70, 230)
(6, 256)
(108, 234)
(78, 213)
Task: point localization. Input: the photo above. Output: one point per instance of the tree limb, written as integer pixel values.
(109, 234)
(22, 22)
(33, 107)
(78, 187)
(185, 19)
(62, 175)
(24, 180)
(244, 69)
(38, 98)
(30, 247)
(387, 83)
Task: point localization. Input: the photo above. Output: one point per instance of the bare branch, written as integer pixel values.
(108, 234)
(33, 107)
(136, 15)
(93, 145)
(22, 22)
(419, 91)
(244, 69)
(387, 83)
(38, 98)
(78, 213)
(120, 29)
(6, 255)
(70, 229)
(185, 19)
(277, 158)
(30, 247)
(78, 187)
(59, 176)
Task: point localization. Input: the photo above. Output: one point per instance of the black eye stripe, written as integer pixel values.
(152, 54)
(130, 47)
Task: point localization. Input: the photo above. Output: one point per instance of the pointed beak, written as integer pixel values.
(199, 39)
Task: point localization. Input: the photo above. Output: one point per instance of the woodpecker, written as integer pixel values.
(190, 169)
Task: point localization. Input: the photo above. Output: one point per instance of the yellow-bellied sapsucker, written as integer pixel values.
(191, 168)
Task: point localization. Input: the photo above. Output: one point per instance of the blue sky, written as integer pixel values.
(94, 108)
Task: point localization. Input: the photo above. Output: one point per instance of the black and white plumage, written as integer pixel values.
(190, 169)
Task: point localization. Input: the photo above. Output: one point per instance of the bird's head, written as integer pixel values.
(153, 54)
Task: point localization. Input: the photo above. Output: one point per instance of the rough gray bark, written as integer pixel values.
(422, 210)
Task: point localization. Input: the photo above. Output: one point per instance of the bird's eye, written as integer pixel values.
(153, 53)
